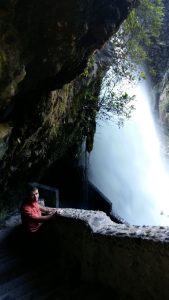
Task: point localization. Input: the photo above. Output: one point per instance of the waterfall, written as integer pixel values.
(127, 166)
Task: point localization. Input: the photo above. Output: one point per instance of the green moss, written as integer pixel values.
(2, 57)
(3, 214)
(90, 64)
(2, 62)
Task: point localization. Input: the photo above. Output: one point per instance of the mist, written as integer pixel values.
(127, 166)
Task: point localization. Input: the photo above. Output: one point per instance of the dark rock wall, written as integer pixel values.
(159, 54)
(53, 39)
(44, 46)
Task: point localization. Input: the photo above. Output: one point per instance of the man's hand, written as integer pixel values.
(58, 211)
(54, 211)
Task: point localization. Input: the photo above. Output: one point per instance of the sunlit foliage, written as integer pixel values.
(129, 53)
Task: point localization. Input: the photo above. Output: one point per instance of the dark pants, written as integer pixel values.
(38, 242)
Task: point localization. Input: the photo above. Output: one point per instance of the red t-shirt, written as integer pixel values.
(28, 212)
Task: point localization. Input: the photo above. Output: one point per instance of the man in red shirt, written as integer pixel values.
(33, 214)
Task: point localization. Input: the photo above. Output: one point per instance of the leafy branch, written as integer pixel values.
(129, 51)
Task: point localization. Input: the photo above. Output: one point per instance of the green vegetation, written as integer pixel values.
(136, 35)
(90, 64)
(142, 25)
(129, 52)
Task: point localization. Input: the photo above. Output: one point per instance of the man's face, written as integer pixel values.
(35, 195)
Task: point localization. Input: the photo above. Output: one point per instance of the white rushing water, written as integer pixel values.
(126, 165)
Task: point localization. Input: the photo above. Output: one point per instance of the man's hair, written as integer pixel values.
(31, 188)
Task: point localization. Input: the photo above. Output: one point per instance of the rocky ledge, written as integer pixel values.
(129, 260)
(98, 222)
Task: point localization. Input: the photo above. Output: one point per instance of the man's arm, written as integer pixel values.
(50, 216)
(27, 213)
(43, 219)
(47, 210)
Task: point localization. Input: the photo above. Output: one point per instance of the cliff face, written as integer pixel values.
(159, 53)
(44, 47)
(46, 44)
